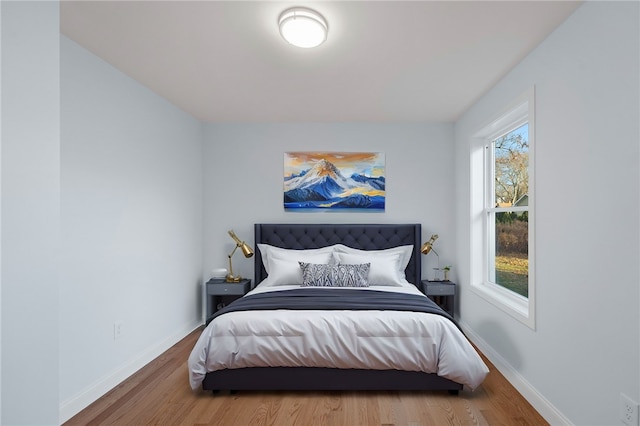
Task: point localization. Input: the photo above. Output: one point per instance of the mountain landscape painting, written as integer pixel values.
(334, 181)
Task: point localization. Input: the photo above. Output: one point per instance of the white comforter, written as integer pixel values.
(379, 340)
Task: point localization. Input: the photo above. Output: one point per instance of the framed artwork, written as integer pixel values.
(344, 181)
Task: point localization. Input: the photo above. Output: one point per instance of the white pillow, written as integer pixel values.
(404, 251)
(384, 269)
(284, 268)
(267, 250)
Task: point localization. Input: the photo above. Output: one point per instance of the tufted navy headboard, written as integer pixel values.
(360, 236)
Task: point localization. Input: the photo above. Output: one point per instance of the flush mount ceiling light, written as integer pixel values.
(303, 27)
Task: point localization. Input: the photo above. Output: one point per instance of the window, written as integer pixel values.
(507, 210)
(502, 211)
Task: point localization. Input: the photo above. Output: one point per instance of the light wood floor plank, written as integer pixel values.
(159, 394)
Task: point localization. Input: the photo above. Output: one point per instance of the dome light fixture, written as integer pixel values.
(303, 27)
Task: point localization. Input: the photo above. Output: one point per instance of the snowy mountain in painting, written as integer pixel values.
(324, 186)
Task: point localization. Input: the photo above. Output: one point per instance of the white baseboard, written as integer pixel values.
(72, 406)
(547, 410)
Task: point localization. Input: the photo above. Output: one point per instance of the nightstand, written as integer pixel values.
(441, 292)
(220, 293)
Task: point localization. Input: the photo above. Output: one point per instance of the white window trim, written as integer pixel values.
(523, 309)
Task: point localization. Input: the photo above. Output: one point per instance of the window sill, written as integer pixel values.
(511, 303)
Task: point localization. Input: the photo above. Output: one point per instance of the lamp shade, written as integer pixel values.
(303, 27)
(246, 250)
(428, 246)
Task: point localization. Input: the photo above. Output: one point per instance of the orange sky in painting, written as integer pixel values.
(343, 160)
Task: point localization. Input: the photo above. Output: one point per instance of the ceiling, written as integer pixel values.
(224, 61)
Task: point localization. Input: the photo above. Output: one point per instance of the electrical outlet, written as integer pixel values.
(628, 410)
(117, 329)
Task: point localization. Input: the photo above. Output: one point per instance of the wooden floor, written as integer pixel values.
(159, 394)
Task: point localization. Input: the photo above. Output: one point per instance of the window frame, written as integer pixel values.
(519, 112)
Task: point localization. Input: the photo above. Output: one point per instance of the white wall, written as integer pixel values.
(1, 138)
(30, 212)
(585, 349)
(244, 180)
(131, 206)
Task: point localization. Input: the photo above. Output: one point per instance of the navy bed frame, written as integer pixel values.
(306, 236)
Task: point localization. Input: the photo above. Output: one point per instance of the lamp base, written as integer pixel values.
(233, 278)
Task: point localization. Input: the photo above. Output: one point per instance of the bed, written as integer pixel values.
(337, 339)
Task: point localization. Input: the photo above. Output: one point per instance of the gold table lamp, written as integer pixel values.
(428, 247)
(246, 250)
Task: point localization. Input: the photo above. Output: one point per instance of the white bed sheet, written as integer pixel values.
(379, 340)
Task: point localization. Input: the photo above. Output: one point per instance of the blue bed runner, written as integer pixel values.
(333, 299)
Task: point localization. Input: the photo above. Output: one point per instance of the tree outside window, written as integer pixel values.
(507, 209)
